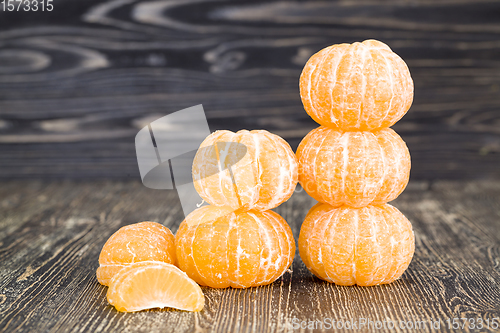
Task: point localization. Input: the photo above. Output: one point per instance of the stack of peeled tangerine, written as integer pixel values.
(235, 241)
(353, 164)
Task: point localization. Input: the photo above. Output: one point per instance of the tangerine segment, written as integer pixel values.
(220, 248)
(137, 242)
(154, 284)
(360, 86)
(364, 246)
(353, 168)
(264, 178)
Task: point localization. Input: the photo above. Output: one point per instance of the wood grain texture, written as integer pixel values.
(51, 234)
(77, 83)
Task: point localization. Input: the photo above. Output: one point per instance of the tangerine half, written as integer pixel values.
(144, 241)
(364, 246)
(353, 168)
(264, 178)
(154, 284)
(360, 86)
(220, 248)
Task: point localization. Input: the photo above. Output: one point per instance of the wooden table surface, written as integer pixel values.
(52, 232)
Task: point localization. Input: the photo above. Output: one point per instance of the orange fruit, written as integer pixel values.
(154, 284)
(133, 243)
(264, 178)
(353, 168)
(220, 248)
(360, 86)
(364, 246)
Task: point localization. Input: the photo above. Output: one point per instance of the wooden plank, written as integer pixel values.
(51, 234)
(75, 88)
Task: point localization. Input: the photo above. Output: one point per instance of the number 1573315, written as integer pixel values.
(27, 5)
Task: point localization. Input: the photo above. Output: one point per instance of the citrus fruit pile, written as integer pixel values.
(353, 164)
(236, 241)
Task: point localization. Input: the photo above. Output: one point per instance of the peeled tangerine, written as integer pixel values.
(353, 168)
(356, 87)
(154, 284)
(262, 179)
(144, 241)
(219, 247)
(364, 246)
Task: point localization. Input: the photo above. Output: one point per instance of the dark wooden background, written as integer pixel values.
(77, 83)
